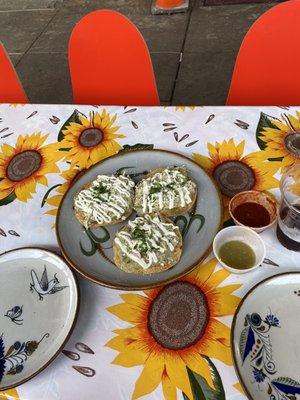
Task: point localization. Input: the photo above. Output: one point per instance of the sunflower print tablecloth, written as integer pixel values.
(152, 344)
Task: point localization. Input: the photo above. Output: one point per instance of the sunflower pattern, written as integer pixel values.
(11, 394)
(25, 165)
(68, 177)
(280, 138)
(173, 328)
(183, 108)
(235, 172)
(16, 105)
(91, 139)
(238, 387)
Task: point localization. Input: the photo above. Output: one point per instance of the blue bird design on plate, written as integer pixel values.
(43, 286)
(255, 345)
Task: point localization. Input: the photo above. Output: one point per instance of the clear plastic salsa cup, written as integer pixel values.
(288, 226)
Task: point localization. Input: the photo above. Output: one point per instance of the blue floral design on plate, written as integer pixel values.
(272, 320)
(259, 375)
(12, 359)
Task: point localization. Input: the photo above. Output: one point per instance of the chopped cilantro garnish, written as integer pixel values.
(138, 233)
(170, 185)
(101, 189)
(163, 187)
(143, 248)
(155, 188)
(142, 245)
(102, 192)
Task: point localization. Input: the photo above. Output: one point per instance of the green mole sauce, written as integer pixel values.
(237, 254)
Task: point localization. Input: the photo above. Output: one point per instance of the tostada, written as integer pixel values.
(107, 200)
(147, 245)
(167, 191)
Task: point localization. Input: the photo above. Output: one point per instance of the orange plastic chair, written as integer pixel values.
(110, 62)
(268, 63)
(11, 90)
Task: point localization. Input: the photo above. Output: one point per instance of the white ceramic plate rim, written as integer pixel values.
(73, 323)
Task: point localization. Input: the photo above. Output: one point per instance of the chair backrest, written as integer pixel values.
(110, 62)
(268, 63)
(11, 90)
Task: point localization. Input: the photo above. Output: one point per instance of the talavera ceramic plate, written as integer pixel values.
(38, 308)
(265, 339)
(90, 252)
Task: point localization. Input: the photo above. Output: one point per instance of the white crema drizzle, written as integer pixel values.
(159, 237)
(166, 197)
(107, 204)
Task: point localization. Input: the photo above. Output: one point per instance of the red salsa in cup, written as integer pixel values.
(252, 214)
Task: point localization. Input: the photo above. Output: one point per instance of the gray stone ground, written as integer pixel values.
(36, 33)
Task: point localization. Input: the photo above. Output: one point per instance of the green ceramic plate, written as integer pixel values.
(90, 252)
